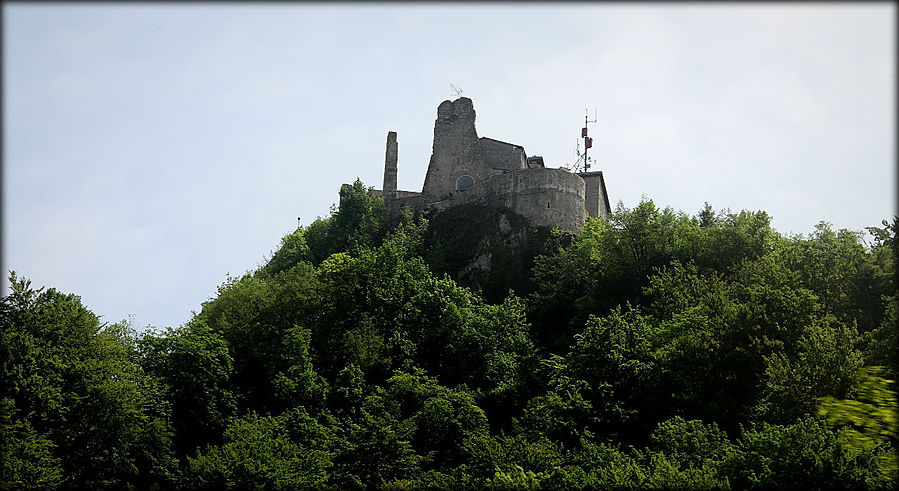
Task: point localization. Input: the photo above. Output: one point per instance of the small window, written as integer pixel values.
(464, 183)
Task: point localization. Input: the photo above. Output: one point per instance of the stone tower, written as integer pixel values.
(456, 150)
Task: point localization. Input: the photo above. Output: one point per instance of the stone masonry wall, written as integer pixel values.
(544, 197)
(596, 201)
(456, 151)
(501, 155)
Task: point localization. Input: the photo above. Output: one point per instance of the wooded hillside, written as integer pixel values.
(653, 350)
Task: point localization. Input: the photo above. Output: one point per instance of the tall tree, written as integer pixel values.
(73, 390)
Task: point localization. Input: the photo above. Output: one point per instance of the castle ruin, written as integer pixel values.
(466, 169)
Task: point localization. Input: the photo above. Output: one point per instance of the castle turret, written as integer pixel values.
(389, 188)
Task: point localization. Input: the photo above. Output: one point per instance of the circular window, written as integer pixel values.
(464, 183)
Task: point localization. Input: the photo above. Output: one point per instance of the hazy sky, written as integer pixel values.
(150, 149)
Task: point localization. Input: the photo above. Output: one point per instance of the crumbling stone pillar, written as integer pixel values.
(389, 188)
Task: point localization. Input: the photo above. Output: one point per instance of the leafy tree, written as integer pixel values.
(197, 368)
(292, 251)
(707, 216)
(825, 365)
(358, 222)
(881, 345)
(26, 457)
(614, 359)
(375, 445)
(804, 454)
(732, 238)
(849, 280)
(317, 239)
(299, 384)
(563, 413)
(598, 465)
(74, 397)
(488, 455)
(650, 350)
(567, 417)
(691, 442)
(871, 418)
(753, 343)
(255, 316)
(604, 466)
(258, 453)
(445, 420)
(609, 263)
(382, 310)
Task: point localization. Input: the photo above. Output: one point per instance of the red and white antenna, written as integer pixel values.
(588, 141)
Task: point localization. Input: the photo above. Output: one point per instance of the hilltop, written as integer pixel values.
(471, 349)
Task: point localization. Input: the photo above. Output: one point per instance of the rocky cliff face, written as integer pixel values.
(490, 250)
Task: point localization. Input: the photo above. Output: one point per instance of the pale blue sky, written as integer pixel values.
(149, 149)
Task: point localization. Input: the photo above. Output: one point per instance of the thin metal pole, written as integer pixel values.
(586, 133)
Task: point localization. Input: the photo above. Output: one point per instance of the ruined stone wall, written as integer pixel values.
(545, 197)
(407, 194)
(456, 151)
(501, 155)
(414, 201)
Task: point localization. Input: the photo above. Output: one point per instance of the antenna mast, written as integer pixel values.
(588, 141)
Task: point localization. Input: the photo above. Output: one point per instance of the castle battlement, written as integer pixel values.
(467, 169)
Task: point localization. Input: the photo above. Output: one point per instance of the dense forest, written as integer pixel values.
(654, 349)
